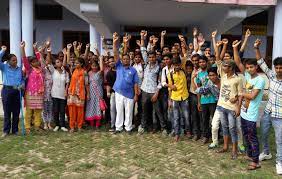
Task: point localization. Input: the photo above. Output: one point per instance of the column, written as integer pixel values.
(94, 38)
(15, 27)
(27, 25)
(277, 35)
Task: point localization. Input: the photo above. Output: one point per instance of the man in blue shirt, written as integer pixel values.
(12, 82)
(126, 87)
(250, 105)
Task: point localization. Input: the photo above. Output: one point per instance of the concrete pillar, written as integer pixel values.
(15, 27)
(27, 25)
(277, 35)
(94, 38)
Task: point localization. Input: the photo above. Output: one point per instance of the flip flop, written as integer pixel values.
(252, 166)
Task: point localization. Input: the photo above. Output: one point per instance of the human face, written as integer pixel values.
(72, 59)
(195, 61)
(13, 62)
(159, 55)
(94, 67)
(227, 56)
(61, 56)
(177, 46)
(106, 61)
(152, 58)
(167, 61)
(137, 59)
(189, 69)
(278, 70)
(213, 77)
(112, 63)
(177, 67)
(202, 64)
(174, 50)
(35, 63)
(125, 60)
(90, 55)
(207, 52)
(131, 55)
(77, 64)
(251, 69)
(226, 68)
(137, 50)
(58, 63)
(165, 50)
(211, 60)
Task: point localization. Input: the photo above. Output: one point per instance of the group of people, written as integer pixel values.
(182, 90)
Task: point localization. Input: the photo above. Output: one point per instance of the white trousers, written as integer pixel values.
(215, 127)
(124, 104)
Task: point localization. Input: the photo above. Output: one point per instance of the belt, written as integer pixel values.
(10, 87)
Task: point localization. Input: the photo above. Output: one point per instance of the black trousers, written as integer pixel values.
(11, 106)
(163, 105)
(59, 107)
(207, 115)
(195, 115)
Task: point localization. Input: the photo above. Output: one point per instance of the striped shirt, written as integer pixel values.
(274, 103)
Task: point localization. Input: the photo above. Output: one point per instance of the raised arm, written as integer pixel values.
(183, 45)
(96, 49)
(237, 58)
(195, 40)
(163, 33)
(224, 48)
(76, 52)
(256, 47)
(65, 57)
(86, 52)
(2, 52)
(213, 35)
(68, 53)
(101, 63)
(143, 49)
(244, 44)
(126, 39)
(216, 51)
(115, 48)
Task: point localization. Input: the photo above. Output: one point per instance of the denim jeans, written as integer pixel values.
(228, 122)
(266, 122)
(178, 108)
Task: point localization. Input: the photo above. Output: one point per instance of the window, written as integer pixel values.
(71, 36)
(48, 12)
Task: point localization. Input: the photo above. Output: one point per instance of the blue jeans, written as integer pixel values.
(266, 122)
(228, 122)
(180, 108)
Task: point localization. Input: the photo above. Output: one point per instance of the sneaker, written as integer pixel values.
(112, 129)
(213, 146)
(56, 128)
(264, 156)
(64, 129)
(164, 132)
(279, 168)
(172, 134)
(4, 135)
(141, 130)
(241, 148)
(116, 132)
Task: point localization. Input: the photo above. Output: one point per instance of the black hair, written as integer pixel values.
(90, 52)
(176, 60)
(203, 57)
(60, 53)
(131, 50)
(212, 70)
(151, 53)
(189, 64)
(169, 55)
(212, 56)
(166, 46)
(125, 55)
(31, 59)
(110, 57)
(10, 56)
(196, 56)
(96, 63)
(251, 62)
(277, 61)
(81, 61)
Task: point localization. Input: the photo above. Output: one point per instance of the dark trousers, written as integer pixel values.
(195, 115)
(249, 129)
(163, 105)
(146, 101)
(138, 117)
(59, 107)
(207, 115)
(11, 105)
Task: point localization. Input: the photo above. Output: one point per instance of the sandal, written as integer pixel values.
(222, 151)
(253, 166)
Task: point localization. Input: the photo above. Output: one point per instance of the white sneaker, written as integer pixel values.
(56, 128)
(279, 168)
(64, 129)
(264, 156)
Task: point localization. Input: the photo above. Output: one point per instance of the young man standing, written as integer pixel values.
(126, 89)
(206, 102)
(177, 84)
(250, 105)
(273, 110)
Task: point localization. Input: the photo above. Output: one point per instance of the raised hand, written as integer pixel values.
(87, 45)
(40, 49)
(195, 31)
(248, 33)
(49, 50)
(225, 41)
(22, 44)
(163, 33)
(257, 43)
(181, 37)
(3, 48)
(219, 43)
(79, 46)
(155, 40)
(236, 43)
(34, 45)
(214, 34)
(95, 45)
(69, 46)
(74, 43)
(138, 43)
(143, 33)
(102, 38)
(191, 46)
(115, 37)
(151, 38)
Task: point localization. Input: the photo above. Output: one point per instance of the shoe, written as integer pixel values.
(172, 134)
(164, 132)
(264, 156)
(56, 128)
(71, 130)
(45, 127)
(141, 130)
(241, 149)
(213, 146)
(4, 135)
(279, 168)
(205, 140)
(112, 129)
(196, 138)
(64, 129)
(116, 132)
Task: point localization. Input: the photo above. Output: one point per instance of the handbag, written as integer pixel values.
(102, 102)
